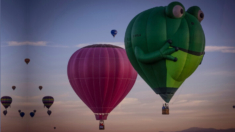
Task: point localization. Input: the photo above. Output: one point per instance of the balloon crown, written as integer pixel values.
(102, 45)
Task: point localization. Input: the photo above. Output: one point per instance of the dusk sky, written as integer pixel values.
(50, 31)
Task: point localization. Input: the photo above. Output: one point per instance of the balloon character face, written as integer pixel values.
(165, 46)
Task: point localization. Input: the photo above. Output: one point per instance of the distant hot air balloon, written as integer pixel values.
(19, 111)
(114, 32)
(6, 101)
(34, 111)
(13, 87)
(5, 112)
(54, 127)
(49, 112)
(32, 114)
(47, 101)
(40, 87)
(165, 45)
(22, 114)
(234, 106)
(101, 75)
(27, 60)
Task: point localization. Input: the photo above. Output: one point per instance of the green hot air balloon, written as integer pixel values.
(165, 45)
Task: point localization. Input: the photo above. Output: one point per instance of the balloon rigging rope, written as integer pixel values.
(177, 96)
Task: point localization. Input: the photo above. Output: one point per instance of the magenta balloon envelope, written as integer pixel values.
(101, 75)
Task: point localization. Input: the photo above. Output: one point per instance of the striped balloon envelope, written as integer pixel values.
(101, 75)
(6, 101)
(47, 101)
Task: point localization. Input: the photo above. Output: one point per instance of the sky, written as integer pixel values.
(50, 31)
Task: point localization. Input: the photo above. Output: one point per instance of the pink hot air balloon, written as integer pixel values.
(101, 75)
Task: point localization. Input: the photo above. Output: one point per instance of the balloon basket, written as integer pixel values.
(101, 125)
(165, 109)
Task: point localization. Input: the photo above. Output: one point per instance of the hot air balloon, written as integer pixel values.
(22, 114)
(114, 32)
(165, 45)
(5, 112)
(40, 87)
(101, 75)
(13, 87)
(34, 111)
(49, 112)
(27, 60)
(47, 101)
(6, 101)
(234, 106)
(54, 127)
(19, 111)
(32, 114)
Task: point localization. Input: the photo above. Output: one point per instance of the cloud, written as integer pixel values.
(223, 49)
(220, 73)
(120, 44)
(31, 43)
(38, 43)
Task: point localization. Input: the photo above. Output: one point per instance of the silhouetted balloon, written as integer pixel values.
(54, 127)
(5, 112)
(114, 32)
(19, 111)
(34, 111)
(49, 112)
(47, 101)
(13, 87)
(27, 60)
(40, 87)
(22, 114)
(6, 101)
(32, 114)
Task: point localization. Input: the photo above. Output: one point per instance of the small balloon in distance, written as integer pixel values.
(27, 60)
(114, 32)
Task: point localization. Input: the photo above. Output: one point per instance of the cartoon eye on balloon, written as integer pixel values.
(103, 84)
(162, 52)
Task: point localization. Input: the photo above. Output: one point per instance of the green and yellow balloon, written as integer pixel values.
(165, 45)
